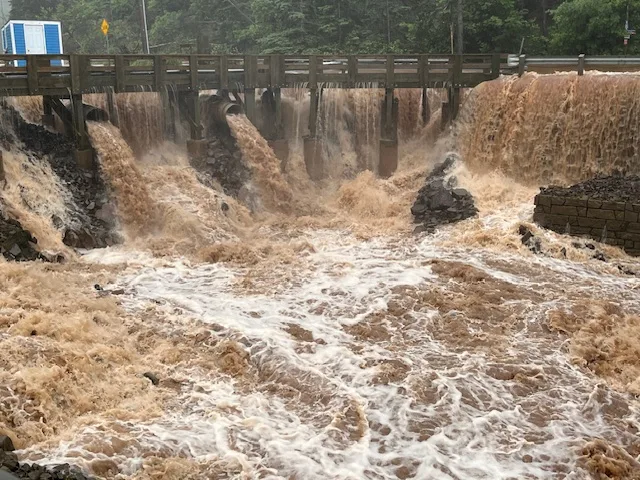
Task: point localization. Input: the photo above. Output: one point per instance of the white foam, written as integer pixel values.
(475, 427)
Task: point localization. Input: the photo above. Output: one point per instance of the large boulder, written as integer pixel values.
(441, 201)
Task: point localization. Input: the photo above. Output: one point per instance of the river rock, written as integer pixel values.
(440, 201)
(16, 243)
(6, 444)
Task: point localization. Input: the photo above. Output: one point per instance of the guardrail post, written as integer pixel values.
(352, 65)
(581, 63)
(522, 64)
(495, 66)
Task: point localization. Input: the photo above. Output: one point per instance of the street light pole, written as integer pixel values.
(145, 30)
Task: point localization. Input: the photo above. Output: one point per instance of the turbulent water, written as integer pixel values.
(317, 337)
(565, 128)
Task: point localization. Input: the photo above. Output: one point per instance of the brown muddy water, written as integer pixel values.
(317, 337)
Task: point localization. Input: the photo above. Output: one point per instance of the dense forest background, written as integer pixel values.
(347, 26)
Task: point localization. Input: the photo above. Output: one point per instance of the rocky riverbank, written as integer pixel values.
(91, 222)
(614, 188)
(440, 201)
(12, 469)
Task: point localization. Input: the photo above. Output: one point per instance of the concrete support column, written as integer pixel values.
(169, 107)
(388, 161)
(278, 143)
(313, 158)
(196, 145)
(84, 152)
(426, 108)
(48, 119)
(112, 108)
(250, 104)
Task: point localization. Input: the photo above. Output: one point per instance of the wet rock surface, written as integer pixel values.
(92, 215)
(615, 188)
(223, 163)
(440, 201)
(16, 243)
(11, 469)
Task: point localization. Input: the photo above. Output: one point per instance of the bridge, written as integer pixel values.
(180, 78)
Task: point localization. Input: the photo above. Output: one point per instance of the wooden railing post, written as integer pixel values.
(276, 70)
(224, 73)
(313, 72)
(120, 82)
(391, 72)
(159, 71)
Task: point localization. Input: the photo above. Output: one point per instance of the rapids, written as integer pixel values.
(316, 337)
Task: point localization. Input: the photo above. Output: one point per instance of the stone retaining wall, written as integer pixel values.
(613, 223)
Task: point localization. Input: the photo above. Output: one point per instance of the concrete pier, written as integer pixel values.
(281, 148)
(313, 158)
(388, 159)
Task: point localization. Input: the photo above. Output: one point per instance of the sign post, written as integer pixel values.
(105, 30)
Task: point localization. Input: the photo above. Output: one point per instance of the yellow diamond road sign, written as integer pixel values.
(105, 26)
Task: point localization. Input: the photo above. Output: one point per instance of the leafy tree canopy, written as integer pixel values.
(345, 26)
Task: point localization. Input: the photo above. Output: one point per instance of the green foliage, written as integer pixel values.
(594, 27)
(341, 26)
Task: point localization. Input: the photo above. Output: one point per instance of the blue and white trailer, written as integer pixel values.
(27, 37)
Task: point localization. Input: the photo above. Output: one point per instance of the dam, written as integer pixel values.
(231, 283)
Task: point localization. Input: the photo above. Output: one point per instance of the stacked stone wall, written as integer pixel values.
(610, 222)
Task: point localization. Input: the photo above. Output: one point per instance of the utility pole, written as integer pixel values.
(145, 30)
(460, 39)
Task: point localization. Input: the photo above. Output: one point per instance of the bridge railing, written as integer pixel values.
(60, 75)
